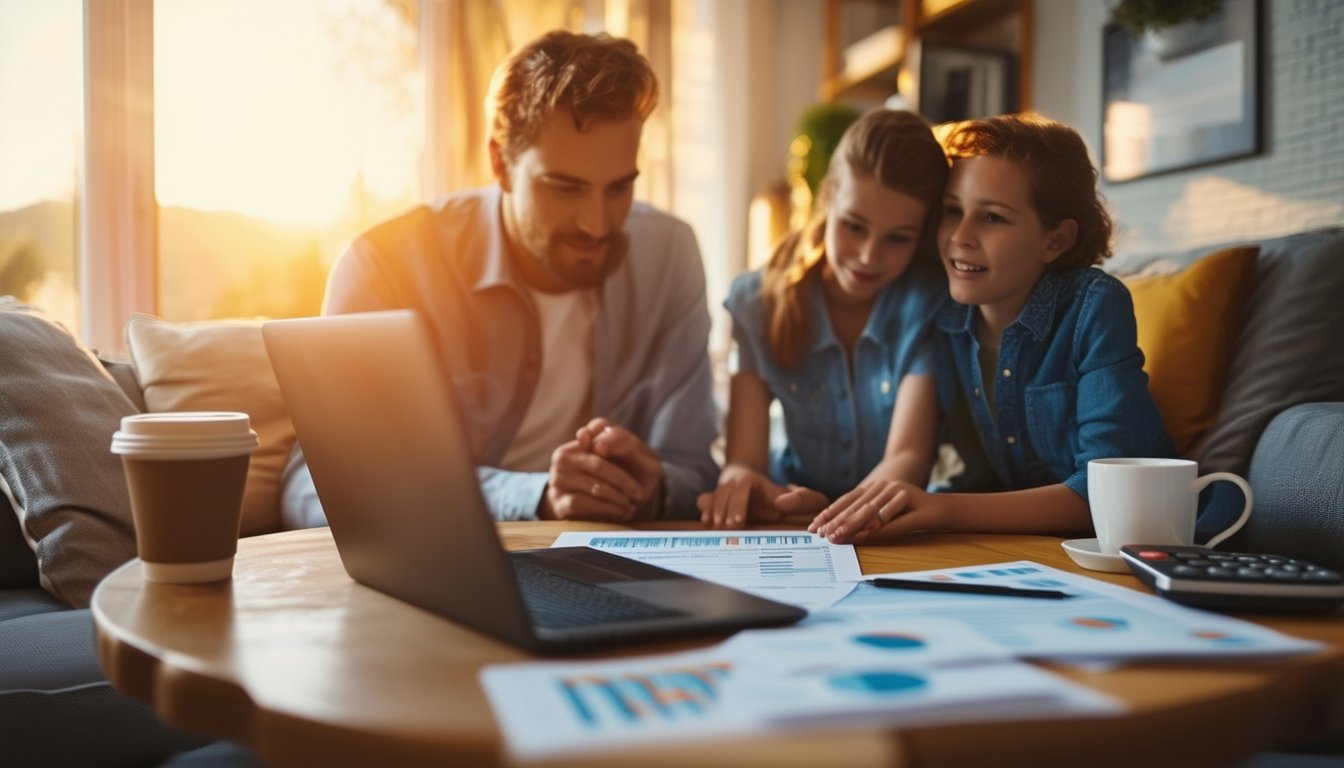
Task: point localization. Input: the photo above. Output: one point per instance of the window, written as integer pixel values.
(202, 159)
(41, 97)
(283, 129)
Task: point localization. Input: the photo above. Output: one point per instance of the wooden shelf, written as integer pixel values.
(871, 89)
(996, 25)
(875, 81)
(953, 17)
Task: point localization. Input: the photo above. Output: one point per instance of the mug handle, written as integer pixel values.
(1198, 485)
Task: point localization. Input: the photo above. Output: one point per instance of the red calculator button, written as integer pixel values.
(1152, 554)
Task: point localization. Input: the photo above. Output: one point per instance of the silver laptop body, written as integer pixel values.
(374, 411)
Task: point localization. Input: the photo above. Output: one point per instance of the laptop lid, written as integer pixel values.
(374, 411)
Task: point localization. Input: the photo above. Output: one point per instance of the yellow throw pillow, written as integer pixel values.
(1188, 323)
(220, 366)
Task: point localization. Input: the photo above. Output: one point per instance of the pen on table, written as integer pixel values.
(976, 589)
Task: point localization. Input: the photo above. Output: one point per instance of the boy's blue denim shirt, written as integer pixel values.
(1069, 387)
(835, 423)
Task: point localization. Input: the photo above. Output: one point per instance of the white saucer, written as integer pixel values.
(1086, 553)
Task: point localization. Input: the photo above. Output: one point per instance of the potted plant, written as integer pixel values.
(818, 134)
(1140, 16)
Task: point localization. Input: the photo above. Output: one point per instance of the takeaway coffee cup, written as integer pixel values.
(186, 471)
(1152, 501)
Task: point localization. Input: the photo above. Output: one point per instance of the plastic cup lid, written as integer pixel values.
(194, 431)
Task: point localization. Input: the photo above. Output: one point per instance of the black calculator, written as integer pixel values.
(1235, 581)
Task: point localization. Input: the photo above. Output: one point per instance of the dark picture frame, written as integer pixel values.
(957, 83)
(1184, 97)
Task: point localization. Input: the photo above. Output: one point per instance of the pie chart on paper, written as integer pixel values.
(890, 641)
(877, 682)
(1099, 623)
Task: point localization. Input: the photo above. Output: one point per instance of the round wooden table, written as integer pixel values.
(295, 660)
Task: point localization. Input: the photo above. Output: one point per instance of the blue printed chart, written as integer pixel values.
(765, 680)
(799, 568)
(891, 670)
(1100, 620)
(884, 641)
(555, 708)
(895, 694)
(686, 692)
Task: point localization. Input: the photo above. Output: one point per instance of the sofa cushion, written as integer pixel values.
(1288, 351)
(1295, 475)
(1187, 324)
(220, 366)
(16, 602)
(58, 410)
(57, 709)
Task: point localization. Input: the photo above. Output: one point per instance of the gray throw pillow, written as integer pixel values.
(58, 410)
(123, 372)
(1288, 352)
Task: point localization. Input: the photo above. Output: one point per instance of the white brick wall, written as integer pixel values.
(1296, 184)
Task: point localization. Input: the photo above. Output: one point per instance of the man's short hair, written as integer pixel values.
(593, 77)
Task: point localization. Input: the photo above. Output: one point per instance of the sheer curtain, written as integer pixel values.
(461, 43)
(464, 40)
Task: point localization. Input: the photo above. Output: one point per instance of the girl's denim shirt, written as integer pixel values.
(1069, 387)
(835, 423)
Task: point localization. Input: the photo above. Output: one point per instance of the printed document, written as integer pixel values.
(792, 567)
(1101, 621)
(762, 681)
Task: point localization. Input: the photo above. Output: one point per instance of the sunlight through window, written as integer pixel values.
(41, 92)
(283, 128)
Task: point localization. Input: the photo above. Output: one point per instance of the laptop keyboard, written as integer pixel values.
(556, 602)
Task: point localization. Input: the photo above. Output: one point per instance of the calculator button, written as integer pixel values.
(1321, 574)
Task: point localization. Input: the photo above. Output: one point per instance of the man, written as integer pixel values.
(572, 319)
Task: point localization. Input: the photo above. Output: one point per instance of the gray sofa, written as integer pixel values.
(1280, 421)
(64, 523)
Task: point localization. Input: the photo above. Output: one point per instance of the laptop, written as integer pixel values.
(374, 411)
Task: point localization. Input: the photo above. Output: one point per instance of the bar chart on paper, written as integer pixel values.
(687, 692)
(557, 707)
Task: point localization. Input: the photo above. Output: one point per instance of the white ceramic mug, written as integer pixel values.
(1152, 501)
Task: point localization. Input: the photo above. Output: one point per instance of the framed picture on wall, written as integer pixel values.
(1185, 96)
(958, 83)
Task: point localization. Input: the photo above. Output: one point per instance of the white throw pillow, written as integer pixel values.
(220, 366)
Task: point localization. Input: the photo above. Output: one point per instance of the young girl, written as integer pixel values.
(837, 327)
(1041, 355)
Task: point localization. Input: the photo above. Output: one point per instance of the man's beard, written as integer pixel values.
(583, 274)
